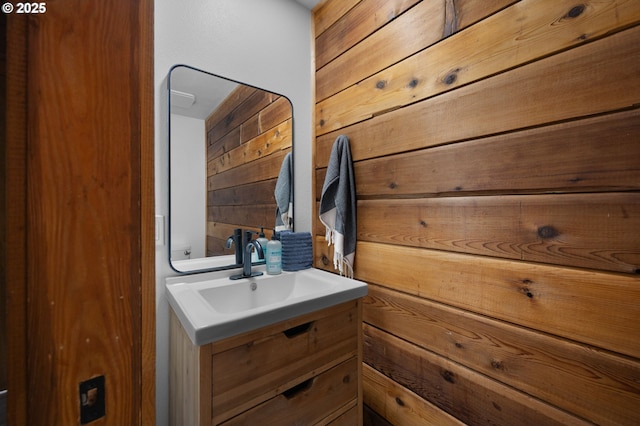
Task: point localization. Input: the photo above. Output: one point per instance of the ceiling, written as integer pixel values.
(309, 4)
(208, 90)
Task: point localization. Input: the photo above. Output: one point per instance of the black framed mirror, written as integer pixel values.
(228, 143)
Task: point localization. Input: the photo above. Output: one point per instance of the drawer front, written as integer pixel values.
(348, 418)
(249, 374)
(309, 402)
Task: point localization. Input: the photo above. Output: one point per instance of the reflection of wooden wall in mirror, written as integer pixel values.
(248, 136)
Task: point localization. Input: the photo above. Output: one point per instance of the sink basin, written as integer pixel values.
(211, 309)
(231, 297)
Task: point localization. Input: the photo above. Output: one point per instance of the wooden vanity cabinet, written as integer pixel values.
(301, 371)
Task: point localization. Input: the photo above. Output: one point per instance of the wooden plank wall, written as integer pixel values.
(495, 148)
(247, 138)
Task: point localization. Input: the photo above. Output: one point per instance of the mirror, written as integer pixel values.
(228, 142)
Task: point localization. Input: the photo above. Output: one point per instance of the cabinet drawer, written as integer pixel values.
(246, 375)
(348, 418)
(309, 402)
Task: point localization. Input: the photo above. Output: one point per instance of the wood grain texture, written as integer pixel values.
(497, 184)
(243, 377)
(406, 28)
(184, 384)
(147, 215)
(540, 297)
(593, 154)
(260, 192)
(14, 220)
(612, 68)
(419, 27)
(247, 216)
(84, 215)
(327, 12)
(268, 142)
(330, 390)
(359, 22)
(594, 384)
(261, 169)
(399, 405)
(541, 228)
(248, 137)
(469, 396)
(544, 298)
(238, 107)
(236, 386)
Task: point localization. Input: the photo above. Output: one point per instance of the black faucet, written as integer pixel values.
(246, 264)
(248, 236)
(236, 239)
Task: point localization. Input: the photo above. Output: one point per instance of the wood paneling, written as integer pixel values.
(358, 23)
(504, 41)
(542, 228)
(469, 396)
(423, 25)
(562, 372)
(506, 163)
(496, 170)
(533, 295)
(399, 405)
(329, 11)
(248, 136)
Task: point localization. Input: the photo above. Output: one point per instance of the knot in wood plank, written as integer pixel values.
(575, 11)
(498, 365)
(451, 77)
(547, 231)
(449, 376)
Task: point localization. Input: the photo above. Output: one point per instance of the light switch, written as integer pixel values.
(159, 230)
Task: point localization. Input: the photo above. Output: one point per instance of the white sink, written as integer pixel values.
(211, 309)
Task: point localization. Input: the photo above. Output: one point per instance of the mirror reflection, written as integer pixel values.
(228, 144)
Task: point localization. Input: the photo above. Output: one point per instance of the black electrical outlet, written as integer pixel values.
(91, 399)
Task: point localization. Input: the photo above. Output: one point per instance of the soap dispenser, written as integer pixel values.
(274, 255)
(263, 243)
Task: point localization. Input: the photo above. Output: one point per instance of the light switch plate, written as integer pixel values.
(159, 230)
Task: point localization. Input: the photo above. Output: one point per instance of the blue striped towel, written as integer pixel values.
(297, 250)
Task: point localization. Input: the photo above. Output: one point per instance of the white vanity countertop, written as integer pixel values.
(212, 307)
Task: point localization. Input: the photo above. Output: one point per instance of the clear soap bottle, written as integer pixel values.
(274, 256)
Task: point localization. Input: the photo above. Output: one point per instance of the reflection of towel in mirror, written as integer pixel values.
(338, 206)
(284, 195)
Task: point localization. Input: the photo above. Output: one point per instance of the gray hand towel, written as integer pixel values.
(284, 195)
(338, 206)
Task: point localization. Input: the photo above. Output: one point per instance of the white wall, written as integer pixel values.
(188, 181)
(265, 43)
